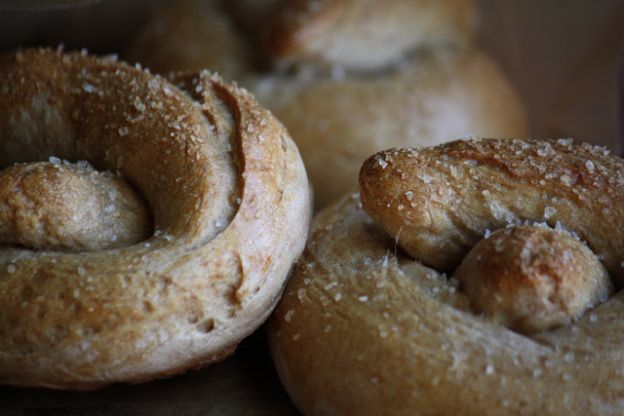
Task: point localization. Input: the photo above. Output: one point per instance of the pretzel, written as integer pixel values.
(347, 78)
(143, 221)
(525, 321)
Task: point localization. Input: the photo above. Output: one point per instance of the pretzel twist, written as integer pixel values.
(163, 255)
(526, 315)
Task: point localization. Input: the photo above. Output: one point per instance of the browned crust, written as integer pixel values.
(443, 199)
(532, 278)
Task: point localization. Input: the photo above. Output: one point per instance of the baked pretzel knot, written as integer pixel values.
(147, 226)
(525, 322)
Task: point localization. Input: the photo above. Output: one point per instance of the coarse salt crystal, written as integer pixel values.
(549, 212)
(566, 180)
(138, 104)
(426, 178)
(288, 315)
(590, 166)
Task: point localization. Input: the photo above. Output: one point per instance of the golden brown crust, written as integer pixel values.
(532, 278)
(445, 198)
(366, 34)
(364, 329)
(223, 181)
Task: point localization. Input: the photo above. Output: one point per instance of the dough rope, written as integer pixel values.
(525, 321)
(148, 225)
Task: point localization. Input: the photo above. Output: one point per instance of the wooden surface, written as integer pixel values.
(245, 384)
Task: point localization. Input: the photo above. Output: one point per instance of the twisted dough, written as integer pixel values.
(227, 195)
(365, 329)
(359, 76)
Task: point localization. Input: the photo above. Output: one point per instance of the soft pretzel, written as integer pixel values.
(167, 252)
(522, 326)
(349, 77)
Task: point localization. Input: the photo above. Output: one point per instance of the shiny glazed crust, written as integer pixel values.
(230, 204)
(365, 329)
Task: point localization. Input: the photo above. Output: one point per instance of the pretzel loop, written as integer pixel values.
(206, 180)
